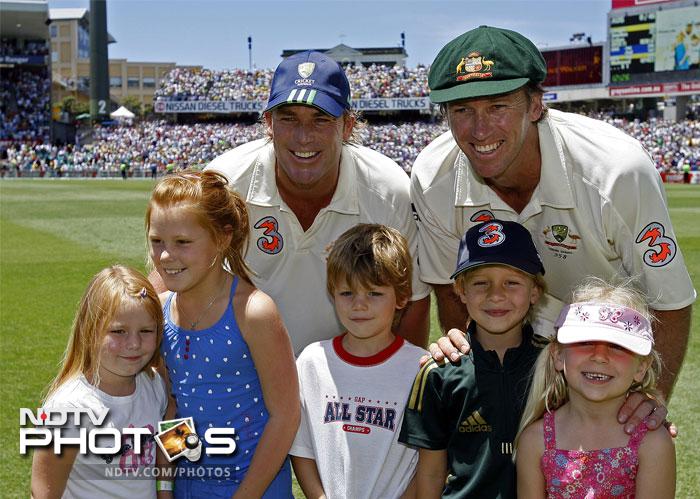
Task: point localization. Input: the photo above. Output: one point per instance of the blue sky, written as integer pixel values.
(213, 33)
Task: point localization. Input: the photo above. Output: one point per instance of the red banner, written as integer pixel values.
(656, 88)
(625, 4)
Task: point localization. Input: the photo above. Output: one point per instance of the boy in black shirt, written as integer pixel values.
(464, 416)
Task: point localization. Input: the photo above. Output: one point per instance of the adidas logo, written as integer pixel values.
(474, 423)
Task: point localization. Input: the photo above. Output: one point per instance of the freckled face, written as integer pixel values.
(183, 252)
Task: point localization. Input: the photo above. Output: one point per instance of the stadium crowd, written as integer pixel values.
(25, 95)
(166, 147)
(237, 84)
(29, 47)
(670, 144)
(153, 146)
(162, 146)
(24, 113)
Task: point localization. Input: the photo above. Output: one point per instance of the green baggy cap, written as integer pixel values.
(484, 61)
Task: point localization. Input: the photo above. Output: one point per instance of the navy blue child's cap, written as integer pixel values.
(501, 243)
(312, 79)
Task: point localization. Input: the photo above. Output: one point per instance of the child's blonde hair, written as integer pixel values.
(370, 255)
(105, 294)
(549, 389)
(218, 209)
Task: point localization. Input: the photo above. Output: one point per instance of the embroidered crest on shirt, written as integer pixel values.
(560, 240)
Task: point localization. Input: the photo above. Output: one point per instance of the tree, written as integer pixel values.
(133, 104)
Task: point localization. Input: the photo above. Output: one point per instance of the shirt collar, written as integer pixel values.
(554, 188)
(491, 359)
(263, 189)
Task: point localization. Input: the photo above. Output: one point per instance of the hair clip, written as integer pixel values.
(143, 293)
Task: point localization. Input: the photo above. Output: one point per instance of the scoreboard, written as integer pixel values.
(632, 46)
(654, 44)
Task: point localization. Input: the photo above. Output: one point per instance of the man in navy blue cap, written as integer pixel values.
(308, 183)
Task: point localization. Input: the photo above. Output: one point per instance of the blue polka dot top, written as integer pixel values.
(214, 381)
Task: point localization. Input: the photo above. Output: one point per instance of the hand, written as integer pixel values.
(450, 346)
(637, 407)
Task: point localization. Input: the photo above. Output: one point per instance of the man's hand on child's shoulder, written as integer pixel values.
(638, 406)
(450, 346)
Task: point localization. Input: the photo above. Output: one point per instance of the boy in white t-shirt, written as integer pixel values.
(354, 387)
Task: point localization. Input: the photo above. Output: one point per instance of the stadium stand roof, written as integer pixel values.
(66, 14)
(364, 51)
(74, 13)
(25, 19)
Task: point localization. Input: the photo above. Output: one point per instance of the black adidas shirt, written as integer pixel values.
(472, 409)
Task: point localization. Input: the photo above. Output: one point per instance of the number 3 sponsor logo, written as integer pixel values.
(271, 241)
(663, 248)
(493, 235)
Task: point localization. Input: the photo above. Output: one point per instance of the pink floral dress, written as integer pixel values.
(590, 474)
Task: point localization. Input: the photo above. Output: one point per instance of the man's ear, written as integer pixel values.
(536, 107)
(348, 125)
(268, 121)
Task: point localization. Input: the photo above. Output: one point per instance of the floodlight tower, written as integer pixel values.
(99, 64)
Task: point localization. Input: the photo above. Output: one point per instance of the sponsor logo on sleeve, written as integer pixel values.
(662, 248)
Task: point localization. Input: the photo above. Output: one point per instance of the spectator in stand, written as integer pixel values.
(237, 84)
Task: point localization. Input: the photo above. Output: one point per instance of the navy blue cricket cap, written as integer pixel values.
(312, 79)
(498, 242)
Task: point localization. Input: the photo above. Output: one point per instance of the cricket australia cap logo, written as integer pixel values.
(306, 68)
(474, 66)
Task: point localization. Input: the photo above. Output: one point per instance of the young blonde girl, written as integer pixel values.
(570, 442)
(228, 355)
(109, 364)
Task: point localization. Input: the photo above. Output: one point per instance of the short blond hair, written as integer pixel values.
(370, 254)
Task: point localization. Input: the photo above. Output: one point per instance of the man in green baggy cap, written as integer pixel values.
(588, 193)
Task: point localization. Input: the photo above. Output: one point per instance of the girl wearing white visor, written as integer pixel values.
(571, 443)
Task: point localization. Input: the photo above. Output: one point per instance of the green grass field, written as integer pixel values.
(56, 234)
